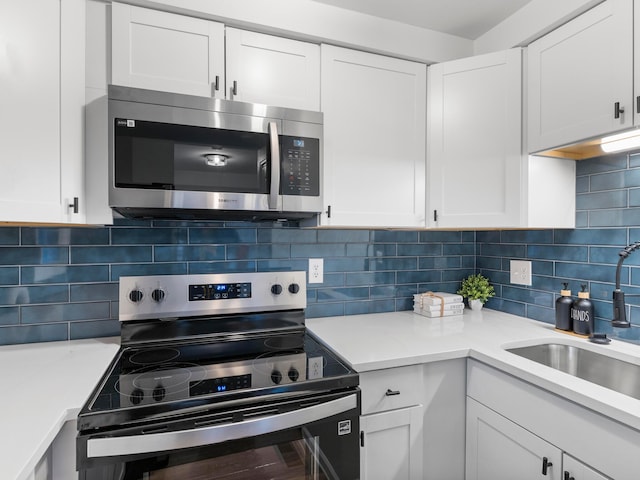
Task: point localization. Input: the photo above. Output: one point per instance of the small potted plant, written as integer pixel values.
(477, 290)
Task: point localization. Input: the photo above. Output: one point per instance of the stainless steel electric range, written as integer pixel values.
(216, 378)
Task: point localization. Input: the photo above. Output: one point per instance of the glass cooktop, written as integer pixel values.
(153, 380)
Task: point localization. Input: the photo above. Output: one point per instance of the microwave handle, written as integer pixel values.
(274, 188)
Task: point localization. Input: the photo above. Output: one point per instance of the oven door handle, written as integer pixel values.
(166, 441)
(274, 188)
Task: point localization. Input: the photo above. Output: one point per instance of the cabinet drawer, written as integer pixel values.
(391, 388)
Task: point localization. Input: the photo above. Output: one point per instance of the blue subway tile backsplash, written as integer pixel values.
(607, 192)
(59, 283)
(62, 283)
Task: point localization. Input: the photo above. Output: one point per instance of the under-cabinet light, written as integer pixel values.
(620, 142)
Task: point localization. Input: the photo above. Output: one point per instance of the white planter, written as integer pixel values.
(475, 304)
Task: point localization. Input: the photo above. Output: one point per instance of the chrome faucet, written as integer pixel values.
(619, 308)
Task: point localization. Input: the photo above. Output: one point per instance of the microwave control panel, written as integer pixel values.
(300, 169)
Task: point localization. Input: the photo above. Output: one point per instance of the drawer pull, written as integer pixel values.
(546, 464)
(391, 393)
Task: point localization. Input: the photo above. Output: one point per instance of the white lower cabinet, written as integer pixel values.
(413, 422)
(59, 461)
(573, 469)
(391, 424)
(517, 430)
(392, 444)
(499, 449)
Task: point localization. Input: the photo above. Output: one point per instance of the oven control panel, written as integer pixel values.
(219, 291)
(172, 296)
(179, 381)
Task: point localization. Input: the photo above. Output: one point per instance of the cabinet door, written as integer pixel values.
(636, 61)
(374, 150)
(272, 70)
(474, 165)
(499, 449)
(577, 73)
(163, 51)
(42, 94)
(576, 470)
(391, 445)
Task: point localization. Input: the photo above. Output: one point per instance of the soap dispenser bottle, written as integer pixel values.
(563, 309)
(582, 313)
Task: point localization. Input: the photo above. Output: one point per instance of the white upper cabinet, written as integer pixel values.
(580, 78)
(477, 173)
(474, 166)
(175, 53)
(42, 95)
(163, 51)
(272, 70)
(374, 139)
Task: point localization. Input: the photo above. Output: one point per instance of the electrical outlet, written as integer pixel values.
(316, 365)
(520, 272)
(316, 270)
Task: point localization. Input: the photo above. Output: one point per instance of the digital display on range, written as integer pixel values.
(219, 291)
(219, 385)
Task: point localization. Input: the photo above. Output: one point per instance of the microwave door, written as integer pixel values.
(206, 162)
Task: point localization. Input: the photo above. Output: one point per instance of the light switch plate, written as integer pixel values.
(520, 272)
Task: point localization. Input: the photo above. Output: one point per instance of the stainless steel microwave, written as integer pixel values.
(181, 156)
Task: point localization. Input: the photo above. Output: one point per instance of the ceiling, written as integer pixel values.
(464, 18)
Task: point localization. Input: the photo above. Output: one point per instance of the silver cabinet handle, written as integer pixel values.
(233, 91)
(391, 393)
(166, 441)
(274, 189)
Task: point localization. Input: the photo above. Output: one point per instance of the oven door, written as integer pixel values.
(314, 438)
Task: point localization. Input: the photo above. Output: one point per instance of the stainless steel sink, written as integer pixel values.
(609, 372)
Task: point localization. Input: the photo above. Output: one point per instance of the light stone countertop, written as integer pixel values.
(385, 340)
(43, 386)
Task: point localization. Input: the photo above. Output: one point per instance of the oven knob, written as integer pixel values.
(276, 289)
(135, 295)
(136, 396)
(294, 288)
(157, 295)
(293, 374)
(276, 377)
(159, 393)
